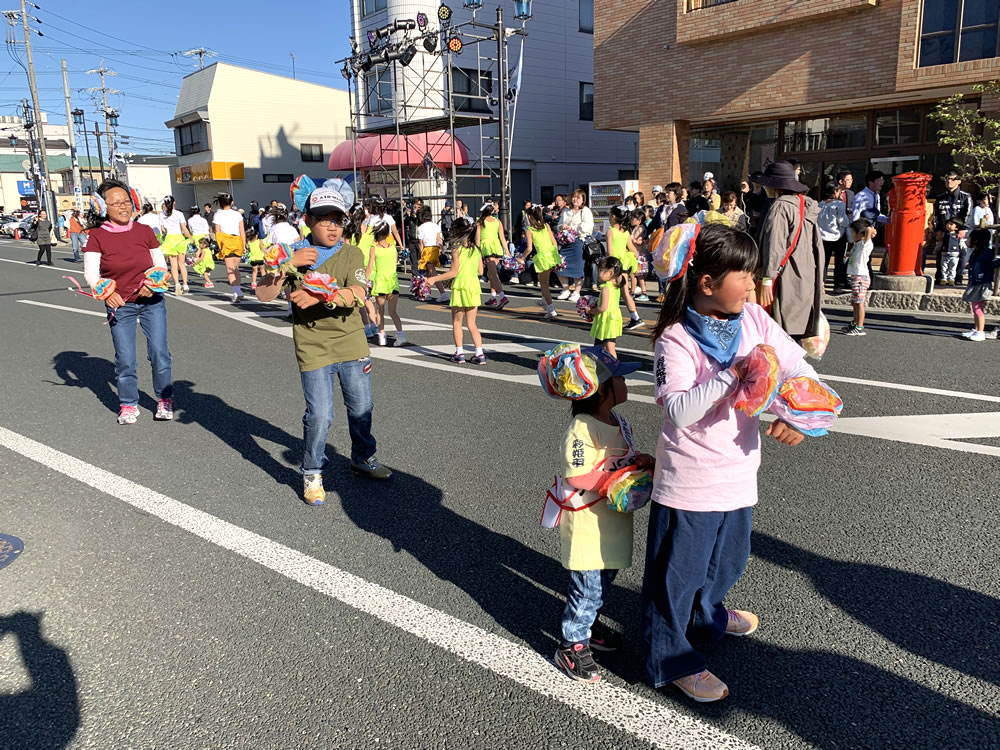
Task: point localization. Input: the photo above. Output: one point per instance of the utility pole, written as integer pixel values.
(77, 181)
(502, 76)
(29, 129)
(102, 71)
(292, 55)
(100, 156)
(38, 114)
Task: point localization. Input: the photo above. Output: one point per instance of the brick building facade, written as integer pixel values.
(729, 84)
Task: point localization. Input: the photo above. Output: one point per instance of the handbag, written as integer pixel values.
(791, 249)
(593, 249)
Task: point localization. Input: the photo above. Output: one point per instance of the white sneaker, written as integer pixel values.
(187, 289)
(969, 334)
(445, 298)
(381, 339)
(551, 313)
(574, 297)
(400, 339)
(564, 294)
(978, 336)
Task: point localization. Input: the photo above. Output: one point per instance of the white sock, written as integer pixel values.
(479, 350)
(459, 350)
(635, 315)
(237, 291)
(493, 295)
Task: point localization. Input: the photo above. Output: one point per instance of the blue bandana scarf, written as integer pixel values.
(719, 339)
(323, 254)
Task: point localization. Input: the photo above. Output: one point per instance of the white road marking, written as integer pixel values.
(651, 721)
(47, 268)
(62, 307)
(912, 388)
(935, 430)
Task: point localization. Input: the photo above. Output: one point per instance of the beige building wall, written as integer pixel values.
(262, 120)
(153, 181)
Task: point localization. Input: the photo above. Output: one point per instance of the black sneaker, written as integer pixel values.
(632, 324)
(603, 638)
(577, 662)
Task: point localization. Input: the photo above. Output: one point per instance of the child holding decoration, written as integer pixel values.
(385, 282)
(620, 246)
(466, 268)
(982, 264)
(607, 312)
(542, 243)
(204, 261)
(862, 233)
(603, 479)
(719, 362)
(327, 283)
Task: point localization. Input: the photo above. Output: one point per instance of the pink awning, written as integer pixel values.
(383, 151)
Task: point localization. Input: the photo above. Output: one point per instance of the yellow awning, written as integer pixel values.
(209, 171)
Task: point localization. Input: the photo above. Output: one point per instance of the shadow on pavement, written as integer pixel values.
(80, 370)
(947, 624)
(508, 580)
(46, 716)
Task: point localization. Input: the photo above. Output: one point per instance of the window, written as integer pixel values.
(845, 131)
(957, 31)
(312, 151)
(378, 97)
(372, 6)
(586, 101)
(587, 16)
(472, 90)
(278, 177)
(896, 127)
(191, 138)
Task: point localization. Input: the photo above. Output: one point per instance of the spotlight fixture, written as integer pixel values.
(367, 63)
(444, 13)
(421, 20)
(473, 4)
(455, 45)
(405, 24)
(385, 32)
(430, 43)
(354, 46)
(346, 72)
(407, 55)
(522, 10)
(371, 38)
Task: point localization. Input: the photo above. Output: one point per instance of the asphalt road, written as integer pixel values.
(173, 591)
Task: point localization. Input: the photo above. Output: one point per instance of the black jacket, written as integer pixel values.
(956, 205)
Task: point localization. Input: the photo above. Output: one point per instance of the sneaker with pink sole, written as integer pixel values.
(128, 414)
(164, 410)
(741, 622)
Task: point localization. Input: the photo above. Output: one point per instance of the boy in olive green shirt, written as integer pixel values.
(330, 343)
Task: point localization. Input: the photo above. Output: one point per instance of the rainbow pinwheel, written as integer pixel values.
(104, 288)
(628, 489)
(321, 285)
(674, 251)
(565, 373)
(759, 386)
(157, 279)
(808, 405)
(277, 254)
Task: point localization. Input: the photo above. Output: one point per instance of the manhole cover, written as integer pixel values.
(10, 549)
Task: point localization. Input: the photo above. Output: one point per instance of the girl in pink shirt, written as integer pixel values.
(705, 482)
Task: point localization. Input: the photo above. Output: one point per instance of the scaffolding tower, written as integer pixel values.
(442, 94)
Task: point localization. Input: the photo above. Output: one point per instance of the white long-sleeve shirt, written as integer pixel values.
(581, 222)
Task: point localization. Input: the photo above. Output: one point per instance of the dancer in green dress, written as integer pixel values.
(620, 246)
(382, 259)
(607, 312)
(492, 243)
(542, 243)
(466, 268)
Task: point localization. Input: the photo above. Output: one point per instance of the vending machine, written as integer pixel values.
(606, 195)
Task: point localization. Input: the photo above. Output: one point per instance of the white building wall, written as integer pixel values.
(153, 181)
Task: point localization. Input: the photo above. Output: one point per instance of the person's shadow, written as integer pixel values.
(97, 374)
(508, 580)
(46, 716)
(953, 626)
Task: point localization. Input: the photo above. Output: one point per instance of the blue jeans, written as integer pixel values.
(152, 317)
(356, 387)
(77, 240)
(693, 558)
(583, 602)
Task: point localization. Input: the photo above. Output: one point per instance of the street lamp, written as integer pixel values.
(522, 10)
(80, 120)
(13, 140)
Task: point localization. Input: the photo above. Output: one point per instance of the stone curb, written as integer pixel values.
(944, 303)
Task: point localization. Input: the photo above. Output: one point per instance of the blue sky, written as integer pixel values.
(140, 43)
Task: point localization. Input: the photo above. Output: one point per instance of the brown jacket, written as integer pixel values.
(799, 289)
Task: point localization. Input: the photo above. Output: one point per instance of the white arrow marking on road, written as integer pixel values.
(936, 430)
(652, 721)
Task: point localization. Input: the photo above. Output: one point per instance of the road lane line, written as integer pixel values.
(651, 721)
(62, 307)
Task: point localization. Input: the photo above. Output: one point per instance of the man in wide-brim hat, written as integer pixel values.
(793, 291)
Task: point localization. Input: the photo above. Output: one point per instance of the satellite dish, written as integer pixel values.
(26, 164)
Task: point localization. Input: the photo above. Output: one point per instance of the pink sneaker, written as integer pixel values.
(128, 414)
(253, 286)
(209, 285)
(491, 302)
(703, 687)
(164, 410)
(741, 622)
